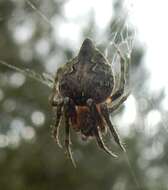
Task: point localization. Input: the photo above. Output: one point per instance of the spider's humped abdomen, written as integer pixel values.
(95, 83)
(98, 86)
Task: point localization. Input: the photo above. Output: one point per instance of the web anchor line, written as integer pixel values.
(42, 78)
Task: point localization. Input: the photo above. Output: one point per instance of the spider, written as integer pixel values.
(84, 95)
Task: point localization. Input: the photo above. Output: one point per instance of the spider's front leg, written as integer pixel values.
(105, 113)
(67, 115)
(96, 130)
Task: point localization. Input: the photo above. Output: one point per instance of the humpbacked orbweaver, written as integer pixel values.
(84, 95)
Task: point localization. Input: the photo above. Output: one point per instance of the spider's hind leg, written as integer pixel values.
(105, 113)
(96, 131)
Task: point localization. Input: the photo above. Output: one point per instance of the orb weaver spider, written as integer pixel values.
(84, 95)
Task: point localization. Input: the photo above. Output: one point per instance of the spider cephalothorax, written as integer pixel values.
(84, 95)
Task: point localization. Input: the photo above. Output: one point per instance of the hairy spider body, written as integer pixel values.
(83, 96)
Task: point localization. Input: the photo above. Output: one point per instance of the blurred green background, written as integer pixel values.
(29, 159)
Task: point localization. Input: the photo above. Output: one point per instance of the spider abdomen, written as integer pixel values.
(83, 85)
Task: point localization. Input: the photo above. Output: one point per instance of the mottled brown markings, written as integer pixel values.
(85, 85)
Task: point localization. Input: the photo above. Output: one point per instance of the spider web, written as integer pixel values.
(125, 44)
(122, 38)
(124, 41)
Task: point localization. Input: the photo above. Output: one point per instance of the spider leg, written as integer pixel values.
(96, 117)
(55, 130)
(124, 63)
(105, 113)
(55, 97)
(116, 105)
(67, 129)
(101, 143)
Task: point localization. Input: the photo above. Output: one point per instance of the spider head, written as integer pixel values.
(86, 50)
